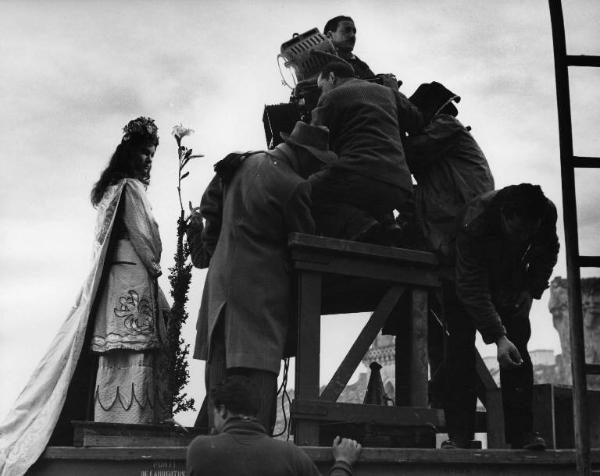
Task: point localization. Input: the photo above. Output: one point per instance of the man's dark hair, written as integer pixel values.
(340, 69)
(239, 395)
(332, 25)
(525, 200)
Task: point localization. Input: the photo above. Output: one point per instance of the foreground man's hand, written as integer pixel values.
(345, 449)
(508, 354)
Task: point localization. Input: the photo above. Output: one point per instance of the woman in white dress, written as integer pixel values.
(107, 363)
(128, 330)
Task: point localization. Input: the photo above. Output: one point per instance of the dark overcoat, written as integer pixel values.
(248, 287)
(491, 271)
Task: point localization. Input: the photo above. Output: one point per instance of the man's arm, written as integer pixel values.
(297, 214)
(410, 118)
(432, 143)
(472, 287)
(203, 237)
(322, 113)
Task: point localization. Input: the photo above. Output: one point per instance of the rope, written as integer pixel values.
(284, 396)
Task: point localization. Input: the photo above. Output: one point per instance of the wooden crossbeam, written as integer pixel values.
(373, 414)
(361, 345)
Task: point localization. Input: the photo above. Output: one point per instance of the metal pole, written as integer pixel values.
(580, 408)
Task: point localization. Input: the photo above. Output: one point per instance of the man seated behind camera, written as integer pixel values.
(342, 32)
(354, 196)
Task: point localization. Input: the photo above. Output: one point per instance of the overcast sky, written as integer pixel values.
(73, 73)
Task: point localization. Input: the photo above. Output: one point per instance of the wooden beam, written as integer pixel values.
(583, 60)
(363, 267)
(361, 345)
(319, 410)
(418, 349)
(320, 245)
(308, 352)
(586, 162)
(589, 261)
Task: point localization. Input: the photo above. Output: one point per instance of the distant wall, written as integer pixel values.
(559, 308)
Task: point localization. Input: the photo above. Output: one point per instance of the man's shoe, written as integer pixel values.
(529, 441)
(455, 443)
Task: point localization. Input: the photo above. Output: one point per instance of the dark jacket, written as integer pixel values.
(491, 271)
(367, 122)
(450, 170)
(244, 449)
(361, 69)
(249, 283)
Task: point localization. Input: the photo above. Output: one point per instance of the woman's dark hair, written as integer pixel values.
(138, 132)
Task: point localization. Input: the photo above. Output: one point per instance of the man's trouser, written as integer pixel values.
(346, 204)
(216, 371)
(516, 383)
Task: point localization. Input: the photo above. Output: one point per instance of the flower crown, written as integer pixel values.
(143, 128)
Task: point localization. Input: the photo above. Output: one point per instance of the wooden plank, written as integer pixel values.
(372, 462)
(301, 241)
(361, 344)
(392, 456)
(485, 378)
(373, 270)
(491, 397)
(90, 433)
(418, 349)
(495, 419)
(309, 348)
(318, 410)
(402, 364)
(592, 369)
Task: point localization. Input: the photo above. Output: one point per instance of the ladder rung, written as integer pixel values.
(589, 261)
(592, 369)
(583, 60)
(586, 162)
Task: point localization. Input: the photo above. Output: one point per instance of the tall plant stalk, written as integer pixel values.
(180, 277)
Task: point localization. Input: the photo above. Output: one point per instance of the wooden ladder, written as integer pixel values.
(568, 164)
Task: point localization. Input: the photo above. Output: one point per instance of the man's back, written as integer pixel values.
(243, 449)
(366, 121)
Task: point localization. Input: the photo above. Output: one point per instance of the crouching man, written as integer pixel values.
(506, 249)
(241, 445)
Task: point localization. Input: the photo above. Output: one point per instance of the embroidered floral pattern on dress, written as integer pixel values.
(137, 313)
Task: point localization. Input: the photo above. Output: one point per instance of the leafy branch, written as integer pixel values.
(180, 276)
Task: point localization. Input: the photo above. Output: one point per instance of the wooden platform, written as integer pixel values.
(170, 461)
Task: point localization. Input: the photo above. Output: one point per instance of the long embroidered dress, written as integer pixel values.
(128, 329)
(44, 404)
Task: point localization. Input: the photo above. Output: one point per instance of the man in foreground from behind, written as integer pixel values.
(242, 447)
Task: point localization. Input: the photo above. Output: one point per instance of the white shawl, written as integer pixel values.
(26, 431)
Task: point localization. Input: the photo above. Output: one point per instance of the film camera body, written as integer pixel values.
(301, 58)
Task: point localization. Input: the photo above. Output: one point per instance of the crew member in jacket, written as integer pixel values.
(450, 169)
(354, 197)
(251, 206)
(506, 249)
(342, 32)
